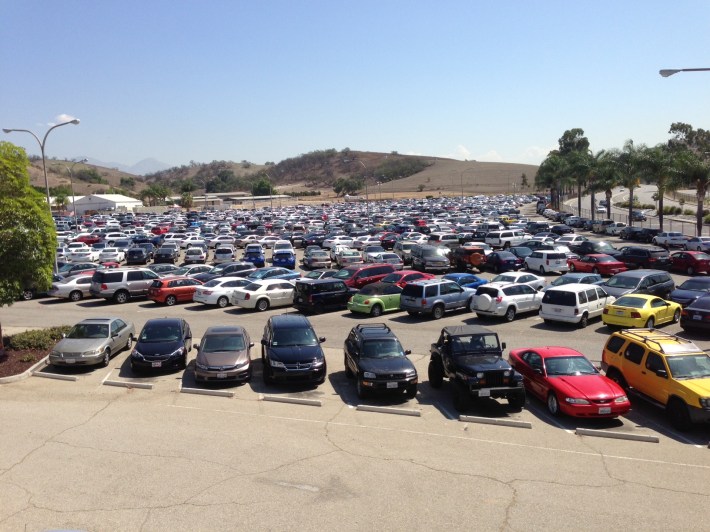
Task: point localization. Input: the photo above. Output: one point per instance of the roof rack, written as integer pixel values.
(363, 326)
(658, 335)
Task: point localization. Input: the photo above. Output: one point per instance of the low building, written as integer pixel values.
(104, 202)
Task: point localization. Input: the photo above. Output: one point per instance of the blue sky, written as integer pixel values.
(262, 81)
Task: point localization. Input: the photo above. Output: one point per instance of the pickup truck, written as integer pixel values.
(506, 239)
(471, 357)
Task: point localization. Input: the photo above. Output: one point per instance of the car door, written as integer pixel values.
(633, 355)
(655, 378)
(116, 340)
(529, 297)
(453, 295)
(533, 372)
(661, 310)
(285, 292)
(187, 290)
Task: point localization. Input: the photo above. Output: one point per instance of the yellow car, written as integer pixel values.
(640, 310)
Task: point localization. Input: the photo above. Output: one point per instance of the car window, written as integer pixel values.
(431, 291)
(582, 297)
(634, 353)
(591, 294)
(654, 362)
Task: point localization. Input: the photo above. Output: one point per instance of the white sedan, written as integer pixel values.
(112, 255)
(262, 295)
(218, 291)
(530, 279)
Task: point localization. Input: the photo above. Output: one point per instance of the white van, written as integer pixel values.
(544, 261)
(574, 303)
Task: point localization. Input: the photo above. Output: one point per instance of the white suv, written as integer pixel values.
(505, 300)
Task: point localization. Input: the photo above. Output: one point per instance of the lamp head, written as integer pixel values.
(7, 130)
(75, 121)
(668, 72)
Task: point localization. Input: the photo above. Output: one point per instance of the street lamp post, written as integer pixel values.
(367, 195)
(71, 184)
(271, 192)
(666, 72)
(42, 143)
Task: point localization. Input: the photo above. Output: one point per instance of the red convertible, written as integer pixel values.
(568, 382)
(596, 263)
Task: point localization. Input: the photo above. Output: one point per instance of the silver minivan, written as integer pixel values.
(574, 303)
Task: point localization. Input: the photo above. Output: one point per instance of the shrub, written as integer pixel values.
(671, 210)
(688, 212)
(41, 339)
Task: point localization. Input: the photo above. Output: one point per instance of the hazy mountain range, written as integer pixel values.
(146, 166)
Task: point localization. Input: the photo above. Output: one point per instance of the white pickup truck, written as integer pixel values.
(507, 238)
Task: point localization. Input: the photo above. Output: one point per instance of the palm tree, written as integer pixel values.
(594, 182)
(579, 167)
(627, 162)
(551, 174)
(60, 201)
(657, 166)
(692, 170)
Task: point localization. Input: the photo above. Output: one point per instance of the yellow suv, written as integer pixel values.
(665, 369)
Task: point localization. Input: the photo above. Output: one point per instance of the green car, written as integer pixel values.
(376, 298)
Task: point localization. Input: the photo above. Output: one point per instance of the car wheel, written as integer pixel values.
(183, 362)
(690, 270)
(361, 391)
(411, 391)
(262, 305)
(678, 414)
(676, 316)
(584, 321)
(348, 372)
(650, 323)
(542, 270)
(437, 312)
(106, 358)
(170, 300)
(553, 405)
(121, 297)
(462, 400)
(376, 311)
(129, 343)
(76, 295)
(510, 314)
(516, 401)
(618, 378)
(436, 373)
(222, 302)
(595, 270)
(571, 267)
(27, 294)
(547, 322)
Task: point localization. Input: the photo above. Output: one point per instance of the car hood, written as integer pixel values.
(700, 386)
(391, 364)
(158, 348)
(680, 295)
(296, 353)
(223, 358)
(78, 345)
(617, 291)
(471, 364)
(586, 386)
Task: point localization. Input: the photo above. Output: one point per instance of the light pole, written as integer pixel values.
(271, 192)
(42, 143)
(666, 72)
(71, 184)
(462, 173)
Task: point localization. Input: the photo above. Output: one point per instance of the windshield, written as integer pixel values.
(292, 337)
(623, 282)
(383, 348)
(222, 342)
(504, 279)
(181, 271)
(564, 280)
(88, 330)
(689, 366)
(700, 285)
(473, 343)
(564, 366)
(344, 274)
(252, 287)
(160, 333)
(213, 282)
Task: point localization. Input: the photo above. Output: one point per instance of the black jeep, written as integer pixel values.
(471, 357)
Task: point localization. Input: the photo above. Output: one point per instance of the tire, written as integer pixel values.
(618, 378)
(516, 401)
(107, 358)
(361, 391)
(222, 302)
(262, 305)
(348, 372)
(437, 312)
(584, 321)
(170, 300)
(547, 322)
(183, 362)
(376, 311)
(462, 401)
(27, 294)
(542, 270)
(121, 297)
(678, 414)
(76, 295)
(595, 270)
(650, 323)
(411, 391)
(676, 316)
(553, 405)
(436, 373)
(690, 270)
(572, 268)
(129, 343)
(510, 314)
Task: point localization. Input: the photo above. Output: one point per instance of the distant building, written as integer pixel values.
(104, 202)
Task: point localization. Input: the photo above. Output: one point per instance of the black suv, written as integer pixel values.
(644, 257)
(375, 358)
(166, 254)
(317, 295)
(291, 351)
(471, 357)
(646, 234)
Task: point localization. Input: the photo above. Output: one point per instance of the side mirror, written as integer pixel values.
(662, 373)
(196, 346)
(263, 342)
(538, 371)
(503, 346)
(408, 352)
(321, 339)
(251, 344)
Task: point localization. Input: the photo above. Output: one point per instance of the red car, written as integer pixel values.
(596, 263)
(568, 382)
(88, 239)
(173, 290)
(691, 262)
(401, 278)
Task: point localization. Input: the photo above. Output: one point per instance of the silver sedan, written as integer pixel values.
(93, 341)
(75, 287)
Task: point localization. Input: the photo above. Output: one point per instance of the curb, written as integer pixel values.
(55, 376)
(25, 374)
(388, 410)
(617, 435)
(126, 384)
(498, 422)
(290, 400)
(200, 391)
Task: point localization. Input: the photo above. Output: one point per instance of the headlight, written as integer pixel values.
(705, 402)
(369, 375)
(623, 399)
(276, 364)
(55, 353)
(480, 375)
(576, 401)
(201, 366)
(92, 353)
(318, 361)
(179, 351)
(135, 353)
(506, 373)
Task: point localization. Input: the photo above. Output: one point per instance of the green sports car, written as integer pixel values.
(376, 298)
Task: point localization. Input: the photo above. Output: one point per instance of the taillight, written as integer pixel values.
(499, 299)
(547, 262)
(207, 292)
(310, 298)
(684, 312)
(651, 260)
(606, 311)
(366, 302)
(635, 314)
(423, 302)
(247, 296)
(104, 287)
(576, 311)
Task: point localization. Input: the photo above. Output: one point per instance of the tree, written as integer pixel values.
(549, 175)
(691, 149)
(27, 237)
(524, 181)
(60, 201)
(262, 187)
(657, 167)
(186, 200)
(627, 164)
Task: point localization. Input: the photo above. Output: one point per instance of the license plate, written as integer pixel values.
(485, 392)
(157, 364)
(558, 310)
(221, 375)
(392, 385)
(619, 312)
(697, 317)
(69, 360)
(605, 410)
